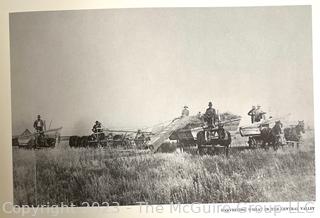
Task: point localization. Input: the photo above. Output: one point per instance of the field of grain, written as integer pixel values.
(102, 175)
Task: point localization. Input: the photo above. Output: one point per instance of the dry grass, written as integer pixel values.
(97, 175)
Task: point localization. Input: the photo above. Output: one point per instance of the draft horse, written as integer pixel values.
(294, 133)
(271, 137)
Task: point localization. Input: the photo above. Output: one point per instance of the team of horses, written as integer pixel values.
(273, 137)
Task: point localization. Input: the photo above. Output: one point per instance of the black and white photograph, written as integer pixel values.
(162, 106)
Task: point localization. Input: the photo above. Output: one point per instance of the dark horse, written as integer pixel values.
(271, 136)
(294, 133)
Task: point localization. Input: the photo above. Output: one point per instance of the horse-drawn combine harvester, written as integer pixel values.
(188, 132)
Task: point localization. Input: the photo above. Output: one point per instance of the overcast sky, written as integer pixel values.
(131, 68)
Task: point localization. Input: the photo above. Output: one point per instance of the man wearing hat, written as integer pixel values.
(97, 127)
(39, 124)
(252, 113)
(260, 115)
(139, 139)
(185, 112)
(210, 115)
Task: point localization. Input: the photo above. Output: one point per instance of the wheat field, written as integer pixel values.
(74, 175)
